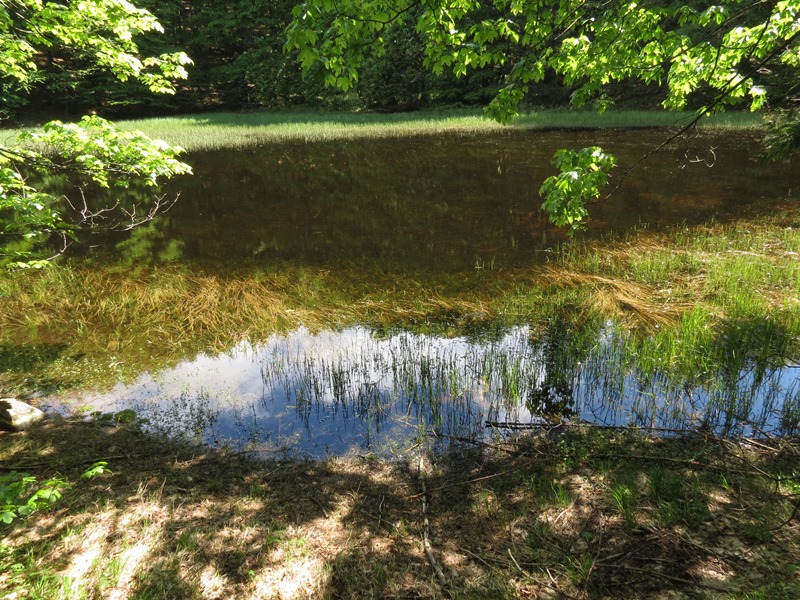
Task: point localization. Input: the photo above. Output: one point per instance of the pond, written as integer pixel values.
(426, 208)
(430, 204)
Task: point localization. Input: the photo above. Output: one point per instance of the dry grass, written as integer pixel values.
(174, 306)
(629, 302)
(151, 320)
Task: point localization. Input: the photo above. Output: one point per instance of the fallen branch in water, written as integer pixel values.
(515, 425)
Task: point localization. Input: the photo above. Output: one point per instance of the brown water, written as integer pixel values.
(435, 203)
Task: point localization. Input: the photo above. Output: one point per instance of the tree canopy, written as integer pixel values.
(105, 33)
(388, 54)
(725, 53)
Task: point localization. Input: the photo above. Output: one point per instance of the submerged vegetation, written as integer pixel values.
(565, 511)
(694, 300)
(475, 319)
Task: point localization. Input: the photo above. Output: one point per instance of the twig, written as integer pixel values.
(449, 485)
(515, 563)
(789, 520)
(776, 479)
(69, 465)
(524, 426)
(679, 461)
(388, 528)
(757, 444)
(563, 512)
(319, 504)
(558, 591)
(466, 440)
(475, 556)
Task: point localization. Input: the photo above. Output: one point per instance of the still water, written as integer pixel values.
(350, 391)
(431, 205)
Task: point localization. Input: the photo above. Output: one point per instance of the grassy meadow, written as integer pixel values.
(568, 511)
(215, 131)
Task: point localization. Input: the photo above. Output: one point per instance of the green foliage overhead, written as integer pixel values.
(107, 32)
(582, 175)
(685, 46)
(105, 28)
(724, 50)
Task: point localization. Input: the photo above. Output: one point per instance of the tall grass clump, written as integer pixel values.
(695, 305)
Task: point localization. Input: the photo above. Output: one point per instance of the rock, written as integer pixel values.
(18, 416)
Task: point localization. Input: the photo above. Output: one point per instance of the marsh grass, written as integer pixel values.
(690, 299)
(693, 288)
(581, 512)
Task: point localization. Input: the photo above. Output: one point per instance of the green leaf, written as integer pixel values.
(97, 469)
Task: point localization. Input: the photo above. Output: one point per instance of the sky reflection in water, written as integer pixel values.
(317, 394)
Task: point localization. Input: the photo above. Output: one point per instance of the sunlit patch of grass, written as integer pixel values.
(209, 131)
(715, 290)
(226, 130)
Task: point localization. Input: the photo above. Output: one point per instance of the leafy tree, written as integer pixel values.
(237, 46)
(106, 32)
(723, 51)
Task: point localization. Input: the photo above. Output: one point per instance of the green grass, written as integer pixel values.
(227, 130)
(721, 290)
(215, 131)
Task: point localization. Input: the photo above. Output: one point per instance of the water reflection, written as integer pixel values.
(316, 394)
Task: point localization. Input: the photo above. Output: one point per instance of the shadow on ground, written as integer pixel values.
(575, 514)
